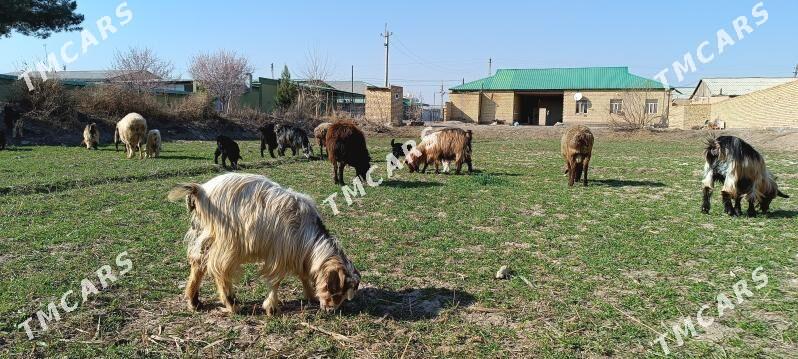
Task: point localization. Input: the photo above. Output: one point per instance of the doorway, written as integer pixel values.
(539, 109)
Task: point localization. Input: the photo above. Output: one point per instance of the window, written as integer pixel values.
(651, 107)
(581, 107)
(616, 106)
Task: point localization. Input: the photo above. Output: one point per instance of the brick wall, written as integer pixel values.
(598, 112)
(385, 105)
(773, 107)
(497, 106)
(688, 116)
(464, 107)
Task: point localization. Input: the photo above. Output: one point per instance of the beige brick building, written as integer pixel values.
(739, 103)
(385, 105)
(545, 97)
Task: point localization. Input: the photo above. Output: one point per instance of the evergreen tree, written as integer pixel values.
(38, 18)
(286, 92)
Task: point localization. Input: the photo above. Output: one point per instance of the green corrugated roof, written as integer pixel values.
(583, 78)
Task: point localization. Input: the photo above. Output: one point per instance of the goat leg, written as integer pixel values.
(728, 207)
(705, 205)
(751, 207)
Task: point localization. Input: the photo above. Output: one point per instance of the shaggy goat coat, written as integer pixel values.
(229, 150)
(346, 145)
(91, 136)
(576, 146)
(153, 144)
(320, 133)
(268, 137)
(131, 130)
(293, 138)
(743, 172)
(245, 218)
(448, 144)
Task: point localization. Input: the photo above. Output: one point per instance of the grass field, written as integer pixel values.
(597, 271)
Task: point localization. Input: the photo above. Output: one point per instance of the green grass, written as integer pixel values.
(608, 265)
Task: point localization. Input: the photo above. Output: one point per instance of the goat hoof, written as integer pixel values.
(194, 305)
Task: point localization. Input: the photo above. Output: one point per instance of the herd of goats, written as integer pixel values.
(241, 218)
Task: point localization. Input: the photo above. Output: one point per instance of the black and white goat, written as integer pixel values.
(293, 138)
(743, 172)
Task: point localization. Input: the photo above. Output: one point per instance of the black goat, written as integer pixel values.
(228, 149)
(293, 138)
(2, 139)
(268, 137)
(743, 172)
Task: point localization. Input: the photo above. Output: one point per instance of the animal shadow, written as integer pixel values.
(409, 184)
(408, 304)
(782, 214)
(625, 183)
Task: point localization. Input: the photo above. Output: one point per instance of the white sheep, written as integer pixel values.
(153, 144)
(131, 130)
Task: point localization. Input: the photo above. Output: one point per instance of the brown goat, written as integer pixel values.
(449, 144)
(346, 145)
(577, 148)
(91, 136)
(320, 132)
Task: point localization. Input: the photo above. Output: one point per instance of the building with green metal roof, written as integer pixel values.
(587, 95)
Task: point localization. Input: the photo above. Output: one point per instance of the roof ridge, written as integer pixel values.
(566, 68)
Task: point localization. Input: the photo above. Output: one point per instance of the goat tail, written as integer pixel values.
(781, 194)
(192, 192)
(116, 138)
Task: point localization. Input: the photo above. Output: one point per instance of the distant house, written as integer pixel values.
(544, 97)
(99, 77)
(262, 93)
(681, 95)
(745, 102)
(712, 90)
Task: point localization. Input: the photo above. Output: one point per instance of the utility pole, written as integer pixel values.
(387, 36)
(490, 66)
(352, 104)
(272, 69)
(442, 103)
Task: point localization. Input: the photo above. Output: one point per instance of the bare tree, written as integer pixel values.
(223, 74)
(140, 68)
(315, 73)
(634, 110)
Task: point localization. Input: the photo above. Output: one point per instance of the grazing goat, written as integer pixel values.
(449, 144)
(11, 117)
(245, 218)
(132, 131)
(577, 148)
(293, 138)
(397, 150)
(228, 149)
(320, 132)
(91, 136)
(346, 145)
(268, 137)
(153, 144)
(743, 172)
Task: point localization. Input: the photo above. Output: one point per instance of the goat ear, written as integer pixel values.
(392, 141)
(333, 282)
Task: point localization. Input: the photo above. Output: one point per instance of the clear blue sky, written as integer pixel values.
(438, 41)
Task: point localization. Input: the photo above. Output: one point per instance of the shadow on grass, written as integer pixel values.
(406, 305)
(409, 184)
(625, 183)
(17, 149)
(503, 174)
(184, 157)
(782, 214)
